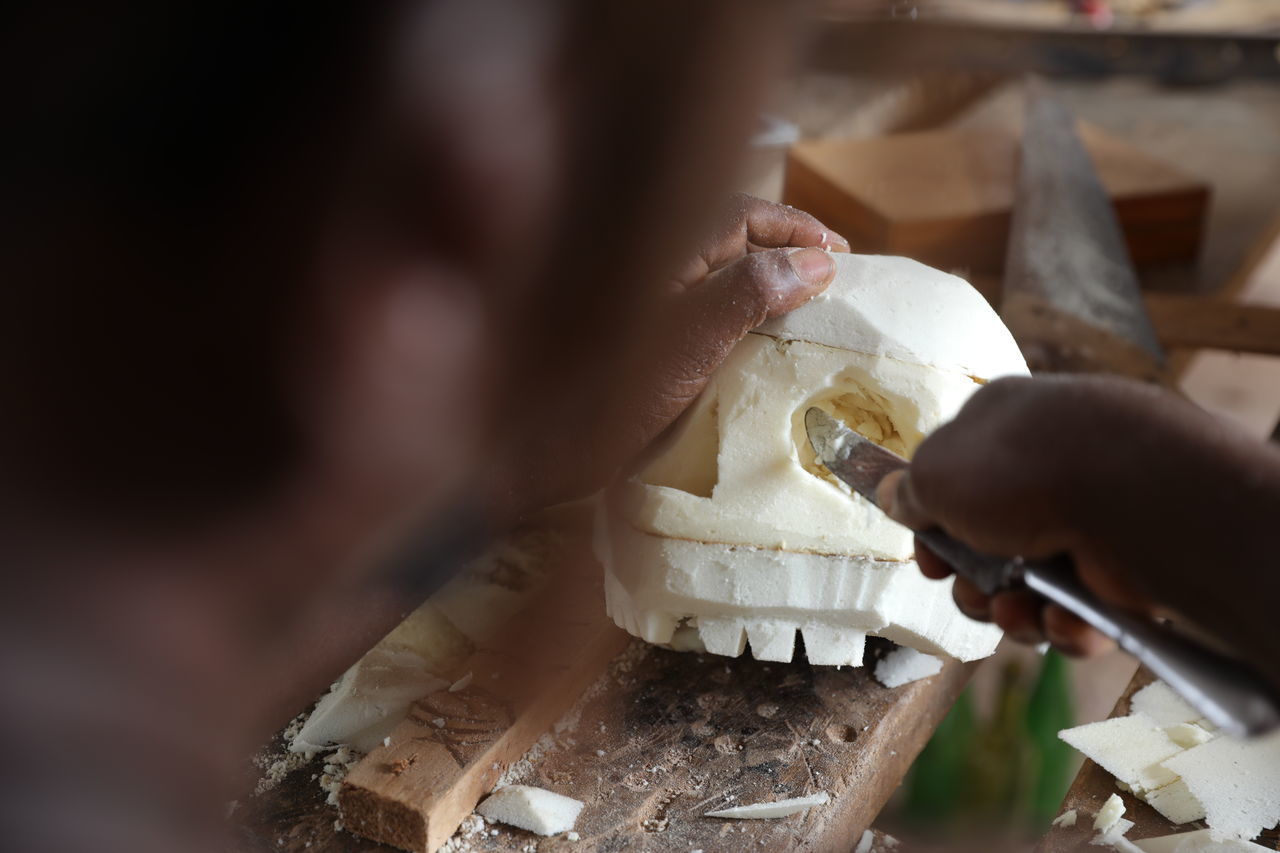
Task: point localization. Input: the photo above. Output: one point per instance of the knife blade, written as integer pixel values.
(1231, 695)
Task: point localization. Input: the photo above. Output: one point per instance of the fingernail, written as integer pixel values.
(835, 242)
(812, 265)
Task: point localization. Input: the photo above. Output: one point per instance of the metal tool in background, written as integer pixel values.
(1229, 694)
(1070, 295)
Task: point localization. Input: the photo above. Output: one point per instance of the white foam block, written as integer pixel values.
(904, 665)
(749, 534)
(535, 809)
(1162, 705)
(778, 808)
(881, 305)
(651, 582)
(1199, 841)
(1176, 802)
(1129, 748)
(1237, 782)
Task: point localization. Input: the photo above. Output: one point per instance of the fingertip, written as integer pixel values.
(1071, 635)
(1018, 613)
(971, 600)
(896, 497)
(833, 242)
(931, 565)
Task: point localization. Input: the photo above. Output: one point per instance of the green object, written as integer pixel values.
(1050, 710)
(938, 775)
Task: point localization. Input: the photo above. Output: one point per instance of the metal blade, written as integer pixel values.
(861, 464)
(857, 461)
(1071, 297)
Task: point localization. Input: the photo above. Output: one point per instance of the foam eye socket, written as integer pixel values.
(863, 411)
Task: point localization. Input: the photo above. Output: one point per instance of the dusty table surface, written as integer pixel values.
(664, 737)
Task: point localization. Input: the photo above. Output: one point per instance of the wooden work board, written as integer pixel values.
(1093, 786)
(650, 739)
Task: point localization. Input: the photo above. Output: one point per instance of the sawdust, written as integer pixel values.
(277, 763)
(336, 766)
(472, 827)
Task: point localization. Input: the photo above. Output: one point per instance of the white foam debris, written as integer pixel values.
(1176, 802)
(1200, 841)
(1129, 748)
(865, 842)
(535, 809)
(1187, 735)
(778, 808)
(573, 836)
(1110, 813)
(904, 665)
(461, 684)
(1067, 818)
(1158, 702)
(1237, 782)
(1184, 768)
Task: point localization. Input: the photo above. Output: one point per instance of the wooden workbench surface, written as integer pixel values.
(664, 737)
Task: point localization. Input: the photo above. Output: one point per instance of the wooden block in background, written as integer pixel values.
(944, 197)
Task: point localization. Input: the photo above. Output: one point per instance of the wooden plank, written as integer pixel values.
(1200, 322)
(1243, 389)
(944, 197)
(1092, 787)
(414, 792)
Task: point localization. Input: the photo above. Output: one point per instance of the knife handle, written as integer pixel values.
(1232, 696)
(1229, 694)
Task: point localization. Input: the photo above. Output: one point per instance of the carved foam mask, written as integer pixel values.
(732, 533)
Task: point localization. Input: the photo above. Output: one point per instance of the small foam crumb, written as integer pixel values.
(386, 741)
(573, 836)
(461, 684)
(1067, 818)
(865, 842)
(1110, 813)
(535, 809)
(904, 665)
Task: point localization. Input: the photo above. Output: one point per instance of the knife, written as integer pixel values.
(1229, 694)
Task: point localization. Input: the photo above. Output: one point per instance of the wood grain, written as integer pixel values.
(1201, 322)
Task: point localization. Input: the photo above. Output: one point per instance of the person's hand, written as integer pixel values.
(1163, 508)
(763, 260)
